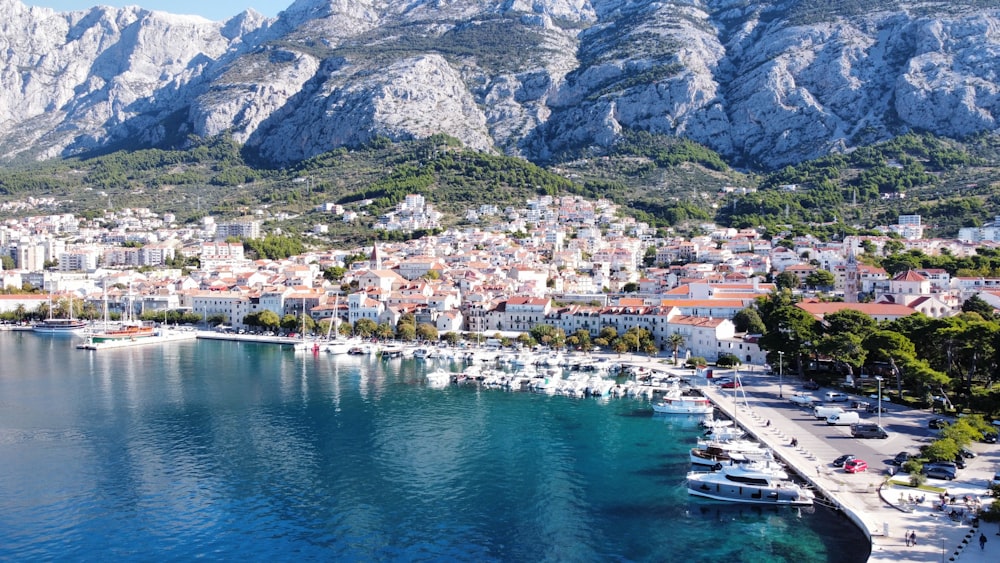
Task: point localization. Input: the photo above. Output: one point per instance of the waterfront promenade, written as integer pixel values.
(868, 498)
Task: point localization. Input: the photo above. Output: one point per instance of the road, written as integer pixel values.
(878, 507)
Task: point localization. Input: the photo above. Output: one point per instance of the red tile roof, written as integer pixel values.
(871, 309)
(909, 276)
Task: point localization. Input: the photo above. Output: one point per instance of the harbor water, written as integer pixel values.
(226, 450)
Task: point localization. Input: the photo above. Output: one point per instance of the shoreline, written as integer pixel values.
(866, 499)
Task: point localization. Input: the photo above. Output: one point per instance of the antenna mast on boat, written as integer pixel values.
(738, 390)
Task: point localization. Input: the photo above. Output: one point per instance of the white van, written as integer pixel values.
(843, 418)
(825, 412)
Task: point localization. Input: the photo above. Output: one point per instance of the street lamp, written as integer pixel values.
(879, 379)
(781, 366)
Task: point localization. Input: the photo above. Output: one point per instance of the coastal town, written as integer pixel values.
(574, 265)
(571, 263)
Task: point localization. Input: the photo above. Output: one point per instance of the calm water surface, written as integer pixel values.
(225, 451)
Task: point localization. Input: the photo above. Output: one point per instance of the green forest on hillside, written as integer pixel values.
(665, 181)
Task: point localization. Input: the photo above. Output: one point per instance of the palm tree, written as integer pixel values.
(675, 341)
(20, 312)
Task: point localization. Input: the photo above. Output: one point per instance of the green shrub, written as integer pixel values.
(727, 360)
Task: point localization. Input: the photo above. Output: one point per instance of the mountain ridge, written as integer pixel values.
(763, 84)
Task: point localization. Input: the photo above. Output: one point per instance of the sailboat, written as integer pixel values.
(336, 346)
(129, 329)
(53, 325)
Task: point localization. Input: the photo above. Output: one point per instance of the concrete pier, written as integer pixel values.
(159, 338)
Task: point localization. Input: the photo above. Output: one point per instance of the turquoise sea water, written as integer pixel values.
(225, 451)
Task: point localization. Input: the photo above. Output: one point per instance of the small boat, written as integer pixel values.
(684, 402)
(336, 347)
(716, 423)
(392, 352)
(712, 452)
(438, 378)
(749, 483)
(725, 433)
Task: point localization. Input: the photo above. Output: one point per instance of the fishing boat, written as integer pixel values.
(758, 484)
(677, 401)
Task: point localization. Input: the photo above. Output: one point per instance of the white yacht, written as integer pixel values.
(749, 483)
(712, 452)
(339, 347)
(677, 401)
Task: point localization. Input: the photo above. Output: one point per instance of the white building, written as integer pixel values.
(241, 228)
(78, 260)
(360, 306)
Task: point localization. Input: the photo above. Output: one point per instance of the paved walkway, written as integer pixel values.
(879, 507)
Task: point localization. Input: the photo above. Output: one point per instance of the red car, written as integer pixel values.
(855, 465)
(730, 384)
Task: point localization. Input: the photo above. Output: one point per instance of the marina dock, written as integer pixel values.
(253, 338)
(159, 338)
(873, 501)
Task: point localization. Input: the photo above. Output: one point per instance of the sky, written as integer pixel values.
(215, 10)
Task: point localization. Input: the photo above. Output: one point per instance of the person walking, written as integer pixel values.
(982, 542)
(906, 536)
(913, 538)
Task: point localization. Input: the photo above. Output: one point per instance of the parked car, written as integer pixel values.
(810, 385)
(855, 465)
(966, 453)
(803, 400)
(960, 461)
(835, 397)
(866, 430)
(939, 472)
(938, 423)
(948, 466)
(990, 437)
(840, 461)
(901, 458)
(875, 407)
(730, 384)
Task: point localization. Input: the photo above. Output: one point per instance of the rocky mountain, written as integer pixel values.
(763, 83)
